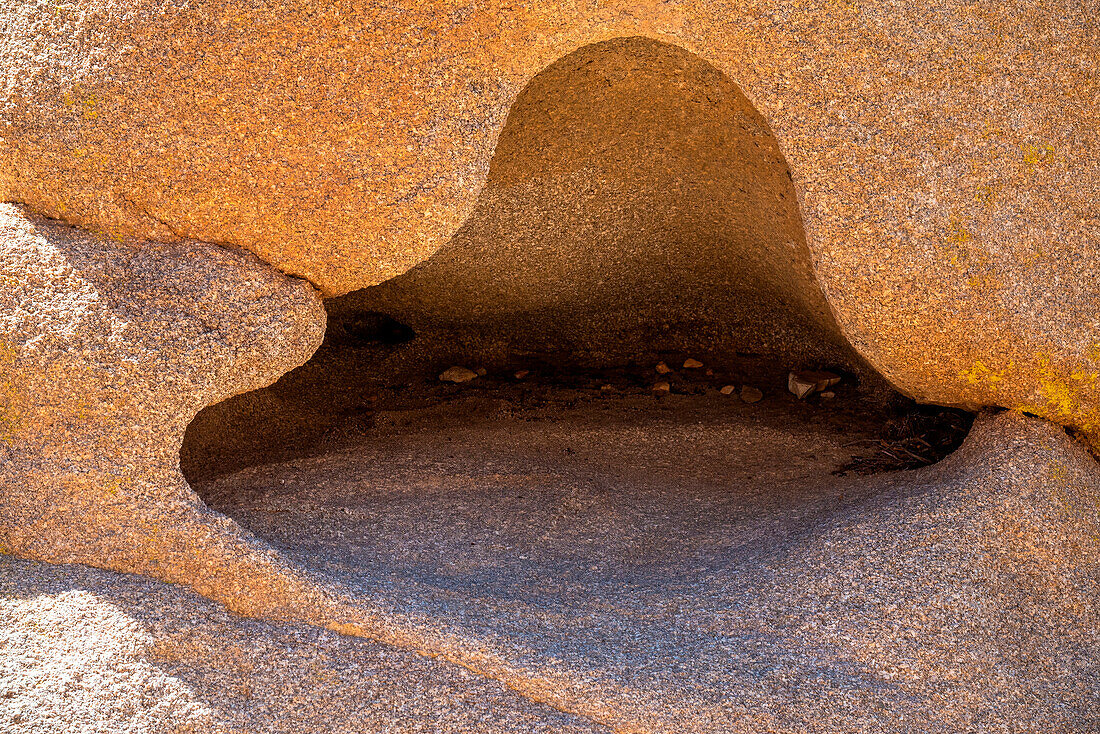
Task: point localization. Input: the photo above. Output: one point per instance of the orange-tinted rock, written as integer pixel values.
(614, 231)
(107, 349)
(944, 158)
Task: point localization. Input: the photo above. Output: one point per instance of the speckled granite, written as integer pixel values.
(670, 574)
(944, 155)
(944, 162)
(91, 652)
(610, 230)
(108, 348)
(706, 587)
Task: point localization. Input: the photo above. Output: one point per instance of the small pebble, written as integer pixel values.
(663, 369)
(481, 372)
(521, 374)
(662, 387)
(750, 394)
(828, 395)
(692, 364)
(799, 386)
(727, 390)
(458, 374)
(802, 383)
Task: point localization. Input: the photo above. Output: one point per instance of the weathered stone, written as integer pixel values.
(800, 386)
(332, 141)
(803, 382)
(750, 394)
(107, 349)
(692, 364)
(458, 374)
(590, 240)
(919, 181)
(703, 554)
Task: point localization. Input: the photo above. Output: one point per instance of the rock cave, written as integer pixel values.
(632, 373)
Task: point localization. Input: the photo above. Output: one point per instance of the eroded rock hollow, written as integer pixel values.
(637, 209)
(567, 258)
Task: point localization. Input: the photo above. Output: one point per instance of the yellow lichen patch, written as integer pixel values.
(111, 484)
(1037, 155)
(1065, 397)
(957, 241)
(1060, 395)
(89, 104)
(980, 374)
(983, 281)
(986, 195)
(1035, 256)
(1084, 376)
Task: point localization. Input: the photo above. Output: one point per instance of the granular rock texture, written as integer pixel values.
(85, 652)
(909, 186)
(662, 571)
(107, 349)
(943, 155)
(646, 571)
(610, 229)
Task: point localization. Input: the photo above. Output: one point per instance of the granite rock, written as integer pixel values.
(94, 651)
(942, 156)
(613, 231)
(107, 349)
(669, 575)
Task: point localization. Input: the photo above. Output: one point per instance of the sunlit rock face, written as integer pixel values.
(107, 349)
(905, 189)
(75, 660)
(943, 157)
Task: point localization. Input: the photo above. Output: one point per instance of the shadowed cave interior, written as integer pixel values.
(638, 213)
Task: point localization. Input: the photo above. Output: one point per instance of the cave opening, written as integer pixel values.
(596, 366)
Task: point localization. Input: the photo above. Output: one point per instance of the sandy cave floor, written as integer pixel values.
(688, 563)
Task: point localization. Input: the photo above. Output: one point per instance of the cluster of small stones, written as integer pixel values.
(459, 374)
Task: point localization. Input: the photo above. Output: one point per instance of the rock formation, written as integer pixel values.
(636, 203)
(631, 596)
(108, 349)
(906, 191)
(943, 158)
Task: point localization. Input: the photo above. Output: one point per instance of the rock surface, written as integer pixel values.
(750, 394)
(905, 186)
(91, 652)
(458, 374)
(667, 572)
(942, 156)
(725, 582)
(611, 230)
(107, 349)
